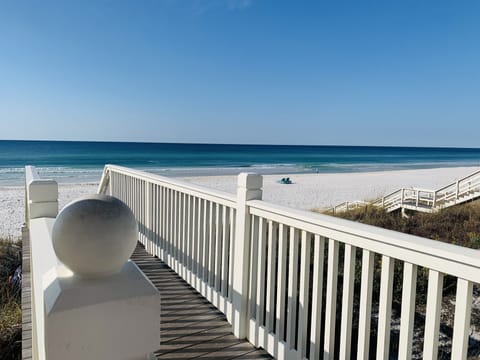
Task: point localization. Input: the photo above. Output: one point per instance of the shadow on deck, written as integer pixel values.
(190, 326)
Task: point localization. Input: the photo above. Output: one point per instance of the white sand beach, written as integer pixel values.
(306, 192)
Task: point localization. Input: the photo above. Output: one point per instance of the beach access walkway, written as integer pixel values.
(190, 326)
(239, 277)
(423, 200)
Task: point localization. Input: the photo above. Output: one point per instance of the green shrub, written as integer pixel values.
(10, 306)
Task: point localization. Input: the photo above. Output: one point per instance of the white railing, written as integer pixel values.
(461, 190)
(274, 271)
(425, 200)
(348, 205)
(410, 198)
(189, 227)
(82, 308)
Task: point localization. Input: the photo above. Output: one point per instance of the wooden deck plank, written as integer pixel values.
(26, 299)
(190, 326)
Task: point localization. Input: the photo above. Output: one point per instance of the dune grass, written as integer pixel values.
(10, 305)
(458, 225)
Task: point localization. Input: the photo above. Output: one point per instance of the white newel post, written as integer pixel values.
(97, 304)
(41, 196)
(249, 188)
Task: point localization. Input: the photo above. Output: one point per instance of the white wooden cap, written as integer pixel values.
(95, 235)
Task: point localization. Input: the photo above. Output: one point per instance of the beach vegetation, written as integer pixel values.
(10, 301)
(459, 225)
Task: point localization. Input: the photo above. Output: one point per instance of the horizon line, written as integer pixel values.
(242, 144)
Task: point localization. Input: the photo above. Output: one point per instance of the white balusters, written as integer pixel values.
(385, 308)
(432, 321)
(463, 311)
(255, 262)
(408, 311)
(347, 303)
(365, 305)
(331, 300)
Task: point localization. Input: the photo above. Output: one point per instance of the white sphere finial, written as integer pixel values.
(95, 235)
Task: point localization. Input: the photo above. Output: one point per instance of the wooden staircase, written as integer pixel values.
(424, 200)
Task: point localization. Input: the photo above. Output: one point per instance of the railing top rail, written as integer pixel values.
(424, 190)
(392, 194)
(223, 197)
(448, 258)
(31, 174)
(477, 173)
(471, 176)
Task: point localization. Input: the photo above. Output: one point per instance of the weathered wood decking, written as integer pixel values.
(190, 326)
(26, 299)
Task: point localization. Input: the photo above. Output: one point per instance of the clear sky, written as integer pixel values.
(242, 71)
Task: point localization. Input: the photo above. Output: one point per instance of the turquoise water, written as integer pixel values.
(83, 161)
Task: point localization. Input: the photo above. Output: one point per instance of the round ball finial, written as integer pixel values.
(95, 235)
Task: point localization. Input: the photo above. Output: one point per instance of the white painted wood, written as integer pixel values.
(178, 185)
(184, 232)
(292, 288)
(261, 271)
(282, 281)
(385, 308)
(232, 230)
(365, 310)
(347, 302)
(219, 242)
(436, 255)
(252, 293)
(191, 238)
(153, 217)
(218, 261)
(463, 311)
(304, 294)
(200, 239)
(211, 245)
(176, 231)
(168, 237)
(206, 242)
(271, 276)
(225, 250)
(331, 300)
(248, 188)
(432, 320)
(317, 290)
(408, 311)
(164, 224)
(150, 201)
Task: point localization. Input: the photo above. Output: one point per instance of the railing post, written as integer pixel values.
(41, 196)
(457, 188)
(418, 197)
(94, 295)
(403, 196)
(249, 188)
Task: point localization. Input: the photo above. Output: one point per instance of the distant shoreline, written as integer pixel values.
(74, 162)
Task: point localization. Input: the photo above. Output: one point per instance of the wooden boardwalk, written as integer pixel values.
(190, 327)
(26, 299)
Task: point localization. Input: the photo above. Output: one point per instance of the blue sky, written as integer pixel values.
(242, 71)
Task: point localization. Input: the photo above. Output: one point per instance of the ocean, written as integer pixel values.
(75, 162)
